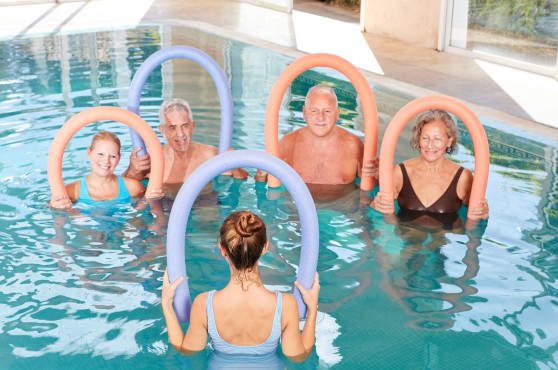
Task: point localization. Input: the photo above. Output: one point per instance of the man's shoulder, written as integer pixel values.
(348, 137)
(205, 150)
(290, 136)
(346, 133)
(289, 141)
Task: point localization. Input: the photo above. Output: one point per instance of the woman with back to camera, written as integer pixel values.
(244, 320)
(432, 183)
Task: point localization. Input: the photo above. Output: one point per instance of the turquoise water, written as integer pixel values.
(81, 290)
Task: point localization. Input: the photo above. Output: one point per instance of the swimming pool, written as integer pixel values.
(83, 290)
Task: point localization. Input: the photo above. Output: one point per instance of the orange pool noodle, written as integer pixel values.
(90, 115)
(368, 102)
(419, 105)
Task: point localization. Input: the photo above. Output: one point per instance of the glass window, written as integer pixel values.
(520, 30)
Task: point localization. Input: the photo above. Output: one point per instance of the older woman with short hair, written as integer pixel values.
(431, 182)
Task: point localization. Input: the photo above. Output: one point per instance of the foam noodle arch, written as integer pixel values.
(369, 108)
(195, 183)
(401, 118)
(216, 73)
(90, 115)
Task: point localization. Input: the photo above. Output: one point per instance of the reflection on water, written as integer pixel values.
(82, 287)
(420, 270)
(75, 295)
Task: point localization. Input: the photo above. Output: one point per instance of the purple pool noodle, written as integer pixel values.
(185, 198)
(216, 73)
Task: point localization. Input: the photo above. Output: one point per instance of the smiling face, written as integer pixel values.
(104, 156)
(177, 130)
(320, 112)
(434, 140)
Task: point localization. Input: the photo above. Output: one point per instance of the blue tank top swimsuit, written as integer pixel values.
(244, 353)
(123, 194)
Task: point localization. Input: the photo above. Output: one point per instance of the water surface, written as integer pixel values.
(82, 289)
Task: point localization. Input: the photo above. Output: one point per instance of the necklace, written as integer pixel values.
(432, 169)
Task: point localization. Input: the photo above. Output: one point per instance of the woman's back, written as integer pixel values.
(244, 320)
(248, 323)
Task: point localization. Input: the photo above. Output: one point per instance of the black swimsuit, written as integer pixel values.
(449, 202)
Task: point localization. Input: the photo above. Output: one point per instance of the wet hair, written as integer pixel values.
(243, 235)
(105, 136)
(174, 105)
(435, 115)
(323, 88)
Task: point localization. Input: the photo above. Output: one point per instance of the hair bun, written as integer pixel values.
(247, 225)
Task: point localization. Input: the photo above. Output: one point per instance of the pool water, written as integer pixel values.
(81, 289)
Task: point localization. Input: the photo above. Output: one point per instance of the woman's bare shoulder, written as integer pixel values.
(200, 299)
(73, 189)
(202, 296)
(466, 176)
(289, 313)
(288, 299)
(135, 188)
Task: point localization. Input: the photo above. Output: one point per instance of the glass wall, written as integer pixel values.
(520, 31)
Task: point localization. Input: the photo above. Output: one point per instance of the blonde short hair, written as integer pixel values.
(105, 136)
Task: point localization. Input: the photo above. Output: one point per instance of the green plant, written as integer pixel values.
(516, 17)
(348, 3)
